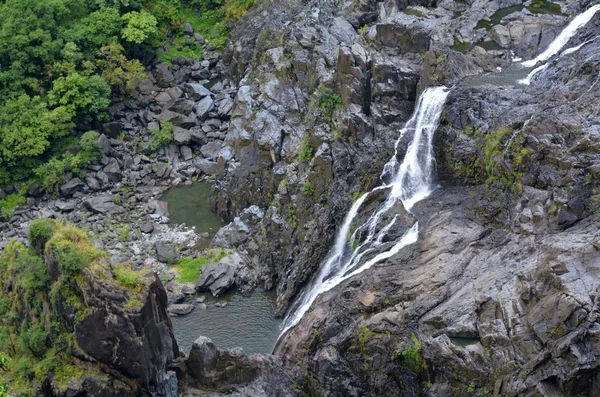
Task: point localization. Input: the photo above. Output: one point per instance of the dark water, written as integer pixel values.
(247, 322)
(507, 78)
(497, 17)
(188, 205)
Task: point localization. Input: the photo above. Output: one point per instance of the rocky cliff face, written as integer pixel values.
(499, 295)
(77, 325)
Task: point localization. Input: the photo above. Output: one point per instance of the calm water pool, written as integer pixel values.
(188, 205)
(247, 321)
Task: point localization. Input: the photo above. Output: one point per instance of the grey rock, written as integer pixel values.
(186, 153)
(113, 170)
(34, 190)
(92, 183)
(501, 35)
(198, 37)
(225, 107)
(196, 91)
(181, 135)
(72, 186)
(204, 107)
(103, 205)
(183, 106)
(180, 309)
(211, 150)
(166, 252)
(216, 277)
(147, 228)
(188, 28)
(66, 206)
(207, 167)
(198, 136)
(158, 207)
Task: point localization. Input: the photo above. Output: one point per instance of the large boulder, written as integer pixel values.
(72, 186)
(166, 252)
(183, 106)
(204, 107)
(212, 368)
(103, 205)
(216, 277)
(211, 150)
(180, 309)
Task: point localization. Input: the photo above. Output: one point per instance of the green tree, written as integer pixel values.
(119, 72)
(27, 126)
(140, 26)
(86, 97)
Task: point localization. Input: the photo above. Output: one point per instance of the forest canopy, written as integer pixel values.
(62, 62)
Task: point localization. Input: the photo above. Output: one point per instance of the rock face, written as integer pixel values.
(499, 293)
(117, 333)
(208, 367)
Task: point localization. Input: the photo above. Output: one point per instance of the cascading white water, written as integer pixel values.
(557, 45)
(563, 38)
(409, 182)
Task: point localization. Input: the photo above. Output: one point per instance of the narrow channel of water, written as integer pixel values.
(247, 321)
(188, 205)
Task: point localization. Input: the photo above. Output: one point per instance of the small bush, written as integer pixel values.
(188, 269)
(40, 232)
(413, 357)
(11, 202)
(162, 136)
(89, 144)
(307, 150)
(308, 189)
(329, 101)
(127, 277)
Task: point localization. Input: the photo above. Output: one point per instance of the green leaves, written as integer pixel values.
(86, 97)
(27, 126)
(140, 26)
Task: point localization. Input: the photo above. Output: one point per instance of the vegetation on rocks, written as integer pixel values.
(188, 269)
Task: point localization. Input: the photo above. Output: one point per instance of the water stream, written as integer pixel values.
(409, 182)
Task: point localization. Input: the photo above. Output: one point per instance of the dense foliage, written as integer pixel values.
(42, 299)
(62, 61)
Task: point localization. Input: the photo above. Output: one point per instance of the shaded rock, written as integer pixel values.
(72, 186)
(198, 136)
(92, 183)
(216, 277)
(34, 190)
(211, 150)
(103, 205)
(166, 252)
(112, 129)
(212, 368)
(113, 170)
(225, 107)
(164, 77)
(188, 28)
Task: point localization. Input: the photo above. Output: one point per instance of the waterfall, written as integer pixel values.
(408, 182)
(559, 42)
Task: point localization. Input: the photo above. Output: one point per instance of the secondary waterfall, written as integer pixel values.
(409, 182)
(559, 42)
